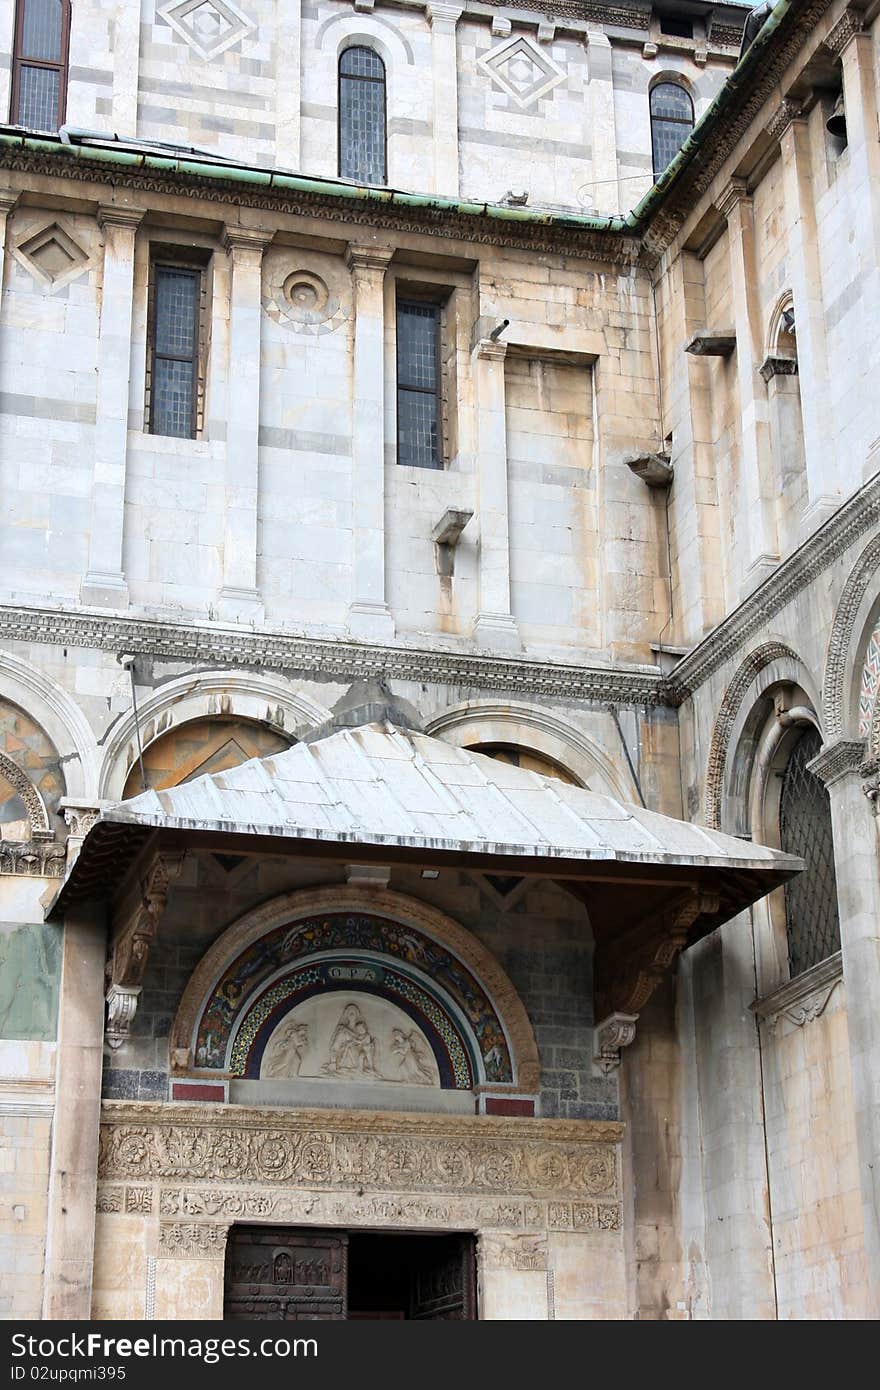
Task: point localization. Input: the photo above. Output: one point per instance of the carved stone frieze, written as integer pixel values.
(514, 1252)
(33, 858)
(851, 22)
(786, 112)
(802, 999)
(191, 1240)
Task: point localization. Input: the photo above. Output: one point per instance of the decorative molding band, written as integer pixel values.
(837, 660)
(195, 1203)
(802, 999)
(346, 661)
(33, 858)
(855, 516)
(432, 1154)
(754, 664)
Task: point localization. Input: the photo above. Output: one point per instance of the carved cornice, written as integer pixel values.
(818, 553)
(841, 757)
(346, 661)
(33, 858)
(559, 236)
(802, 999)
(360, 1150)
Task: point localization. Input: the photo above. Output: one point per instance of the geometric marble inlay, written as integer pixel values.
(208, 26)
(521, 70)
(870, 683)
(51, 255)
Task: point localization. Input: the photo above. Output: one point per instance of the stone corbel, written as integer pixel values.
(629, 966)
(610, 1037)
(870, 773)
(778, 366)
(134, 929)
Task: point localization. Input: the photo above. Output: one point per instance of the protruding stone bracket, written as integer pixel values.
(446, 536)
(803, 999)
(721, 343)
(655, 470)
(610, 1037)
(135, 922)
(629, 965)
(778, 366)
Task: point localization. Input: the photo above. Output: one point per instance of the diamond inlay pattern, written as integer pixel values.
(208, 26)
(521, 70)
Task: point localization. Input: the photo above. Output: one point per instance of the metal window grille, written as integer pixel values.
(418, 384)
(362, 116)
(39, 76)
(175, 351)
(672, 120)
(811, 915)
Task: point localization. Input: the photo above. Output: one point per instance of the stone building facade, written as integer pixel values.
(285, 956)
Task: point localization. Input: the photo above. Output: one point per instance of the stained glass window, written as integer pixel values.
(39, 77)
(672, 120)
(175, 328)
(361, 116)
(811, 915)
(418, 384)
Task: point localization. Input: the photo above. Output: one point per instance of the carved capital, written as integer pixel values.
(839, 758)
(610, 1036)
(786, 113)
(443, 17)
(870, 772)
(368, 260)
(491, 350)
(736, 192)
(109, 215)
(238, 240)
(33, 858)
(850, 23)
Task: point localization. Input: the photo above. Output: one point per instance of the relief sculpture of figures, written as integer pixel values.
(286, 1054)
(352, 1048)
(412, 1058)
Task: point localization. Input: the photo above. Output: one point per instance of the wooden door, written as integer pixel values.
(274, 1274)
(444, 1281)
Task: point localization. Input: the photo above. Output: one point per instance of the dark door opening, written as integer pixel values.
(286, 1275)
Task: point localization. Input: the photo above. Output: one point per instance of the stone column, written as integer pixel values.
(73, 1166)
(806, 283)
(756, 547)
(443, 19)
(239, 598)
(853, 789)
(495, 625)
(601, 133)
(368, 614)
(104, 583)
(694, 503)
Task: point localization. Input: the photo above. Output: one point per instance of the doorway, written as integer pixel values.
(288, 1275)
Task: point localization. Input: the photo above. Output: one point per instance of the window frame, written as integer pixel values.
(378, 81)
(410, 297)
(163, 258)
(667, 81)
(20, 60)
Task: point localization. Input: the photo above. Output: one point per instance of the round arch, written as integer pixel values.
(58, 714)
(773, 663)
(851, 631)
(347, 30)
(488, 722)
(260, 699)
(293, 907)
(780, 340)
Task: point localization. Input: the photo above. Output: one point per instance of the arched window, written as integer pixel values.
(361, 116)
(524, 757)
(39, 75)
(672, 120)
(811, 916)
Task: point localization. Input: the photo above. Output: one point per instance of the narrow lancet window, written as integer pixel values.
(418, 384)
(362, 116)
(672, 120)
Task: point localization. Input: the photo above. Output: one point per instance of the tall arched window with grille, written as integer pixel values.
(361, 116)
(811, 915)
(39, 70)
(672, 120)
